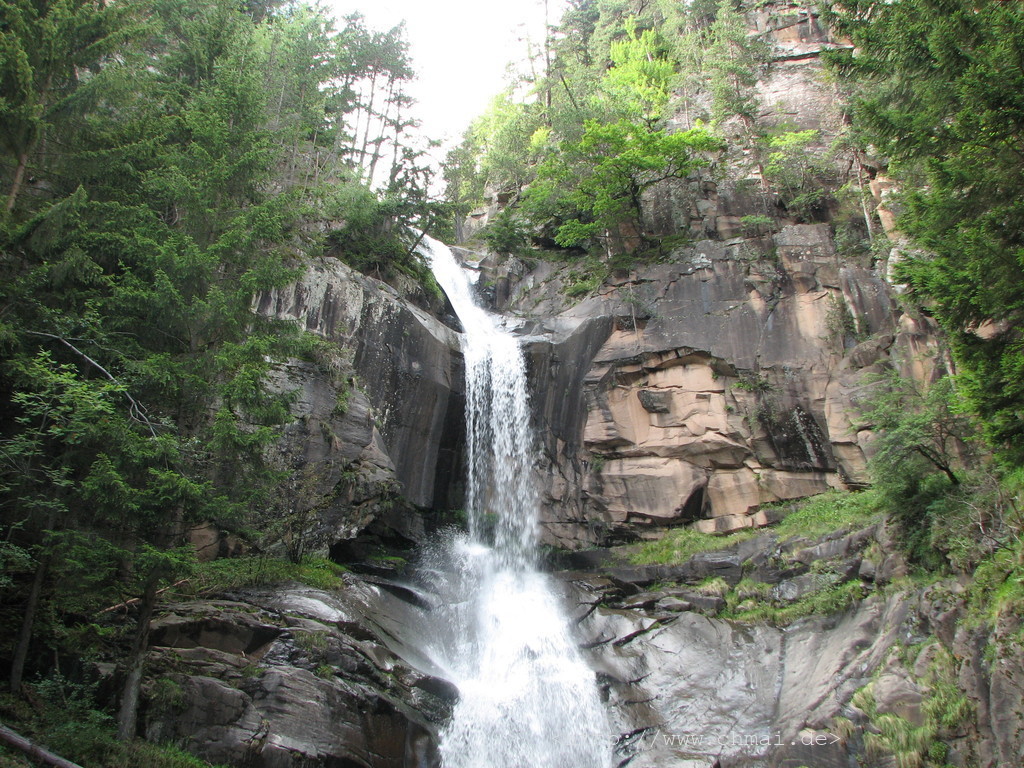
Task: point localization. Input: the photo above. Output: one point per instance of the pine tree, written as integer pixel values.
(939, 90)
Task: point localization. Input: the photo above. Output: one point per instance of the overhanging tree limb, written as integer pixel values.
(136, 410)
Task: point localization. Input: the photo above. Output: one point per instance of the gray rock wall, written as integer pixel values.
(379, 421)
(294, 676)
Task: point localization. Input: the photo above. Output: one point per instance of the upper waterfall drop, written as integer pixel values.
(527, 699)
(500, 493)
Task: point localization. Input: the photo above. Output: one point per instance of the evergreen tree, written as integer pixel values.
(939, 90)
(47, 49)
(176, 147)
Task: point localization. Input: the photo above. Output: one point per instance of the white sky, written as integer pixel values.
(459, 50)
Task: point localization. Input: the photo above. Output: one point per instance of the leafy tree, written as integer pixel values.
(918, 423)
(939, 90)
(504, 133)
(798, 173)
(923, 448)
(637, 85)
(594, 186)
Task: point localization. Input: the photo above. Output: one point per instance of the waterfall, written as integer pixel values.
(527, 699)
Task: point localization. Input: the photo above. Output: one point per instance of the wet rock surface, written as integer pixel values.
(295, 675)
(770, 652)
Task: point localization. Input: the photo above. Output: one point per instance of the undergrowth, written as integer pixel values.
(828, 600)
(813, 517)
(262, 570)
(681, 544)
(64, 718)
(828, 512)
(945, 709)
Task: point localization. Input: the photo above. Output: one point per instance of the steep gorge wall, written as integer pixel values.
(378, 428)
(697, 390)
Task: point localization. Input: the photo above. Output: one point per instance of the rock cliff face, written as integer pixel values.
(379, 421)
(688, 392)
(689, 688)
(700, 390)
(294, 675)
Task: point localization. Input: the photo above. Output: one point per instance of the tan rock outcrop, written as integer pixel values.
(733, 377)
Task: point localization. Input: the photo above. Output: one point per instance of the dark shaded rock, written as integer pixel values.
(655, 402)
(214, 625)
(397, 424)
(724, 565)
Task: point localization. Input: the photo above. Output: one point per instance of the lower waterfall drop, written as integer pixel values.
(527, 698)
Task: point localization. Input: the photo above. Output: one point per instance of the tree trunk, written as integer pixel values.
(369, 120)
(19, 172)
(19, 179)
(128, 714)
(25, 636)
(863, 199)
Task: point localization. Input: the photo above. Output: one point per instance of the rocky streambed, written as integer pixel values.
(771, 651)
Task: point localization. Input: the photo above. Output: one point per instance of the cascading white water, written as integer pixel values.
(527, 699)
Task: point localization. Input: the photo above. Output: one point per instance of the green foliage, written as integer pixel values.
(312, 642)
(828, 600)
(262, 570)
(998, 586)
(825, 513)
(733, 61)
(373, 238)
(840, 324)
(506, 234)
(594, 106)
(798, 173)
(66, 720)
(946, 710)
(496, 152)
(831, 511)
(679, 545)
(947, 707)
(637, 85)
(177, 150)
(938, 90)
(753, 382)
(584, 279)
(924, 442)
(593, 186)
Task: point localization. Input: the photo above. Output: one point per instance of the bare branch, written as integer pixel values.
(136, 410)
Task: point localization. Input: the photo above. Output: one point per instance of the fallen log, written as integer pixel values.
(33, 750)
